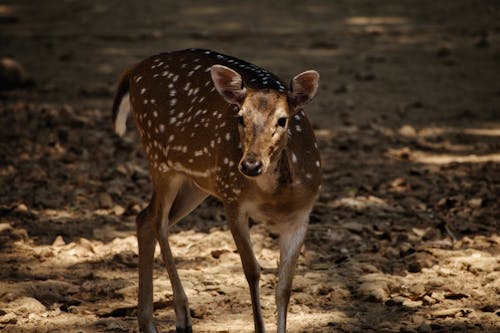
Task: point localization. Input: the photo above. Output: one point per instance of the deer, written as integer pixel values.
(215, 125)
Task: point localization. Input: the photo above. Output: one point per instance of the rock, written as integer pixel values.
(427, 300)
(25, 305)
(118, 210)
(303, 298)
(374, 291)
(395, 301)
(12, 75)
(413, 204)
(445, 313)
(420, 260)
(105, 200)
(478, 262)
(416, 289)
(300, 283)
(354, 226)
(52, 291)
(475, 203)
(58, 242)
(407, 131)
(9, 318)
(5, 227)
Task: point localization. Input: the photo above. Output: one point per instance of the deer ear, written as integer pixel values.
(228, 83)
(303, 88)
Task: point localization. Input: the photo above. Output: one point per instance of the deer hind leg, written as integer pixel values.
(146, 243)
(291, 240)
(238, 224)
(175, 200)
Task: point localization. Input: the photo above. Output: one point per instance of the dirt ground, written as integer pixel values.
(404, 237)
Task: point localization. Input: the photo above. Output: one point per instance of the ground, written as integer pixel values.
(404, 237)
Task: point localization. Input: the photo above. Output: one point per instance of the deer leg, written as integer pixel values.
(146, 243)
(291, 241)
(166, 205)
(238, 223)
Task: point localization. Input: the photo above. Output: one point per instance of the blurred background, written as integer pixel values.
(404, 237)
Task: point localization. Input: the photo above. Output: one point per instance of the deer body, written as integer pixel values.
(215, 125)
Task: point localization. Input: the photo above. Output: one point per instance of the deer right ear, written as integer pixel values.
(228, 83)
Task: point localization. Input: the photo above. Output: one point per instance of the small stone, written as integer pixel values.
(27, 305)
(475, 203)
(105, 200)
(58, 242)
(9, 318)
(446, 313)
(218, 252)
(21, 208)
(416, 289)
(303, 298)
(5, 227)
(427, 300)
(374, 291)
(395, 301)
(118, 210)
(477, 262)
(121, 169)
(407, 131)
(12, 74)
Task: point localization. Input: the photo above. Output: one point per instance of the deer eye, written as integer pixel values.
(282, 121)
(241, 121)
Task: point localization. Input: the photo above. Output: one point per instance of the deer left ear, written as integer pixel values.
(229, 84)
(303, 88)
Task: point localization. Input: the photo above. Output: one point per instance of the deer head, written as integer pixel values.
(263, 115)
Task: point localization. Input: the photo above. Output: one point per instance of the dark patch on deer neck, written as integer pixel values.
(285, 169)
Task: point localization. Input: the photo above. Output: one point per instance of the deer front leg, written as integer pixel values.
(291, 240)
(238, 224)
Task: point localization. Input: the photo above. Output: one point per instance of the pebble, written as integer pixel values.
(59, 241)
(12, 74)
(9, 318)
(446, 312)
(476, 263)
(427, 300)
(25, 305)
(105, 200)
(374, 291)
(118, 210)
(475, 203)
(395, 301)
(408, 131)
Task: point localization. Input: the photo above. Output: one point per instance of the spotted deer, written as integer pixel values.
(212, 124)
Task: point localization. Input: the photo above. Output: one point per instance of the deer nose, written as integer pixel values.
(251, 166)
